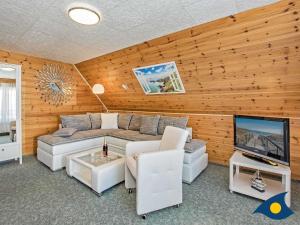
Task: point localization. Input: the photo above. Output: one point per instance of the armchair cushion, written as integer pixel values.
(149, 125)
(173, 138)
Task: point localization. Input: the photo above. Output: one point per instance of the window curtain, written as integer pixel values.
(8, 106)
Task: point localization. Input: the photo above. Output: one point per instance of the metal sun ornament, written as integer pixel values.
(54, 84)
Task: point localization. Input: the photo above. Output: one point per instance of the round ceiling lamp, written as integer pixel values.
(84, 16)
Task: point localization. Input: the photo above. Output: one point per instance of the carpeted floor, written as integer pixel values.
(32, 194)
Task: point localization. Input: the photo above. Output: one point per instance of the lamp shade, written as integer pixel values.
(98, 89)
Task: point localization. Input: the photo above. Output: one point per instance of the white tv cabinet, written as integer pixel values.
(240, 181)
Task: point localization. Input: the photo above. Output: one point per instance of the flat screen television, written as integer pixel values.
(264, 137)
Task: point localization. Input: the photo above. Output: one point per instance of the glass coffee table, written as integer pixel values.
(95, 170)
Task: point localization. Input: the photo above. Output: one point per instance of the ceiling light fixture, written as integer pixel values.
(84, 15)
(8, 69)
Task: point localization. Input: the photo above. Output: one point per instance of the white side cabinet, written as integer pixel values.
(240, 181)
(9, 151)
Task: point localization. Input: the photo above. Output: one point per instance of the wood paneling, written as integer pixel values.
(295, 147)
(243, 64)
(246, 64)
(39, 117)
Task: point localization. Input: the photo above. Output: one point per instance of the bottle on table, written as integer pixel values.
(105, 148)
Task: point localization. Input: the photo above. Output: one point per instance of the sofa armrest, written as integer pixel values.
(141, 147)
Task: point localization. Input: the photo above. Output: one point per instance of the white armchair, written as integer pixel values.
(154, 168)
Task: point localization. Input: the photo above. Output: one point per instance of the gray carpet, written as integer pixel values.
(32, 194)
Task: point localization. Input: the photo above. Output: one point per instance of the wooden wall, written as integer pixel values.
(39, 117)
(243, 64)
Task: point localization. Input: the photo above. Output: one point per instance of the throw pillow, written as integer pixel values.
(64, 132)
(149, 125)
(109, 120)
(79, 122)
(124, 120)
(164, 121)
(95, 120)
(135, 122)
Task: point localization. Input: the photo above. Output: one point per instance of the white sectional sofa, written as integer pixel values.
(52, 150)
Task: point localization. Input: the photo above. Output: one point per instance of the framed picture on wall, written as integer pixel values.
(159, 79)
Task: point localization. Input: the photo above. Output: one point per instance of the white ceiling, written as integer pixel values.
(42, 28)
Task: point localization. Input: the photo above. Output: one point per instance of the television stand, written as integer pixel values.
(260, 159)
(239, 181)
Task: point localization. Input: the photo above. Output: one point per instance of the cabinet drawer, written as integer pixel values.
(9, 152)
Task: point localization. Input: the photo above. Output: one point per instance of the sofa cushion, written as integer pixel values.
(164, 121)
(194, 145)
(64, 132)
(132, 135)
(78, 136)
(79, 122)
(149, 125)
(95, 120)
(124, 120)
(109, 120)
(135, 122)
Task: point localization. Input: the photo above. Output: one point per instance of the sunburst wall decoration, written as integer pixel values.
(55, 85)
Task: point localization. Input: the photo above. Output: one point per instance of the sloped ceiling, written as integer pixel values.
(42, 28)
(242, 64)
